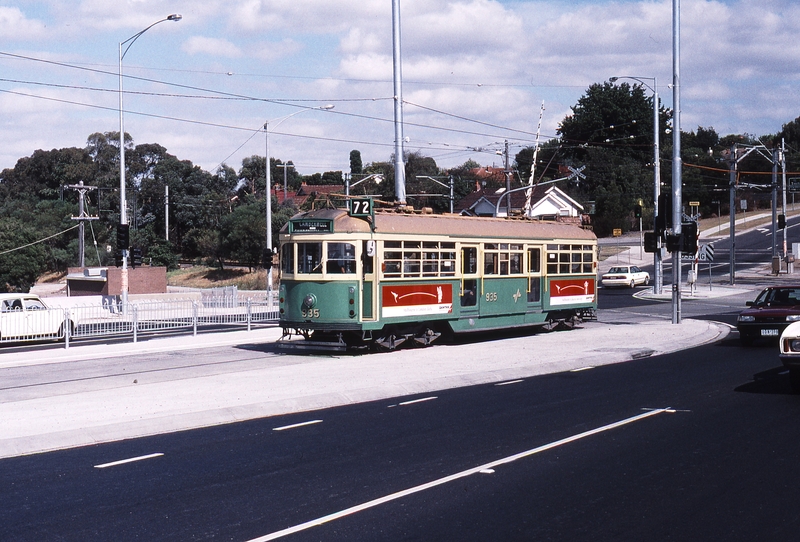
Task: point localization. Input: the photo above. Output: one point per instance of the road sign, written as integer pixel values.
(577, 172)
(617, 232)
(706, 253)
(694, 204)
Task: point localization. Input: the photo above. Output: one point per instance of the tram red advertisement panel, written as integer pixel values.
(416, 300)
(568, 292)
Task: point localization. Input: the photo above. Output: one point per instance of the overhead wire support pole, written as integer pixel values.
(123, 202)
(399, 165)
(783, 206)
(677, 193)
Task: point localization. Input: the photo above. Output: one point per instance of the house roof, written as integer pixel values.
(305, 191)
(518, 199)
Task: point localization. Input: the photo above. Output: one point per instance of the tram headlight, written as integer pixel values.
(309, 301)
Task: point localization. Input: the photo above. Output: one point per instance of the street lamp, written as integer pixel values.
(123, 202)
(657, 256)
(348, 185)
(269, 185)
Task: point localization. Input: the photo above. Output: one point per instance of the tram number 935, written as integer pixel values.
(491, 297)
(310, 313)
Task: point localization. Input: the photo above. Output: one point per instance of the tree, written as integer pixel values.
(242, 234)
(355, 162)
(21, 262)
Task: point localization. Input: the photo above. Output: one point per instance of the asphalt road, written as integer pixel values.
(720, 464)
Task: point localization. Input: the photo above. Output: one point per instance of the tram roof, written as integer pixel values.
(448, 225)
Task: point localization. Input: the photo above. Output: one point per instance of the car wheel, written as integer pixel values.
(794, 379)
(646, 281)
(633, 283)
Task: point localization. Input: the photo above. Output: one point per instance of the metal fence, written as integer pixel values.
(146, 317)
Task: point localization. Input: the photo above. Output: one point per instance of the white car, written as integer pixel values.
(790, 353)
(25, 316)
(625, 275)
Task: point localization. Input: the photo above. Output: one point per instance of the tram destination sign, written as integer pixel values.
(361, 207)
(311, 226)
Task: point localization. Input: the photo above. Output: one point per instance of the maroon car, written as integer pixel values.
(772, 311)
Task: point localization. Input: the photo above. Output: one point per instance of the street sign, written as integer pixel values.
(706, 253)
(617, 232)
(694, 204)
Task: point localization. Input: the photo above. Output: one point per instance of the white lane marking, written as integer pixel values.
(581, 369)
(296, 425)
(509, 382)
(131, 460)
(415, 401)
(453, 477)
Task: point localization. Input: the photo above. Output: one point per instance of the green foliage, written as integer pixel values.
(356, 166)
(161, 254)
(242, 234)
(19, 267)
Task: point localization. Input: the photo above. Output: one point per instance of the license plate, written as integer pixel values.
(770, 333)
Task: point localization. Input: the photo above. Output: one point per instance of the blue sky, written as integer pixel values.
(476, 73)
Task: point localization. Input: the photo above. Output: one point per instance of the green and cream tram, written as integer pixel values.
(347, 281)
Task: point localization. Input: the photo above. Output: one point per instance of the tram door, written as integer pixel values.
(470, 280)
(535, 277)
(369, 284)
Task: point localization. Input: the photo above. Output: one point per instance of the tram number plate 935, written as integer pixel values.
(491, 296)
(310, 313)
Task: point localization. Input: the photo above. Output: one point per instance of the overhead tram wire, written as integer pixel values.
(227, 95)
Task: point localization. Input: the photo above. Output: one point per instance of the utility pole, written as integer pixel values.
(81, 218)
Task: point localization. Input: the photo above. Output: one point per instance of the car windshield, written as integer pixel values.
(618, 270)
(779, 297)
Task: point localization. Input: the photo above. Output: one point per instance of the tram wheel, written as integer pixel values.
(390, 342)
(426, 337)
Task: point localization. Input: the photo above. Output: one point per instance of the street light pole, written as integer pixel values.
(123, 202)
(268, 186)
(658, 262)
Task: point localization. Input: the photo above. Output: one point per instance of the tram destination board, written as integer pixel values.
(311, 226)
(361, 207)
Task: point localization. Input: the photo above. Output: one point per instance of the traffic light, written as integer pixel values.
(650, 241)
(118, 258)
(673, 243)
(137, 257)
(781, 221)
(637, 211)
(123, 236)
(688, 237)
(664, 217)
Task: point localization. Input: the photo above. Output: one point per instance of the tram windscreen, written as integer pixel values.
(309, 257)
(341, 258)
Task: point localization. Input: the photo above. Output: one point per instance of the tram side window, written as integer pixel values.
(447, 260)
(341, 258)
(469, 260)
(569, 259)
(502, 259)
(309, 258)
(534, 260)
(287, 258)
(588, 258)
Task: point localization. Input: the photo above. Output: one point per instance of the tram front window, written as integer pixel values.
(309, 257)
(341, 258)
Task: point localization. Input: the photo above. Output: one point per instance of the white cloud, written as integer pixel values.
(16, 25)
(211, 46)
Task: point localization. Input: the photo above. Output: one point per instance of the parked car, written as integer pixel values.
(25, 316)
(790, 353)
(773, 310)
(625, 275)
